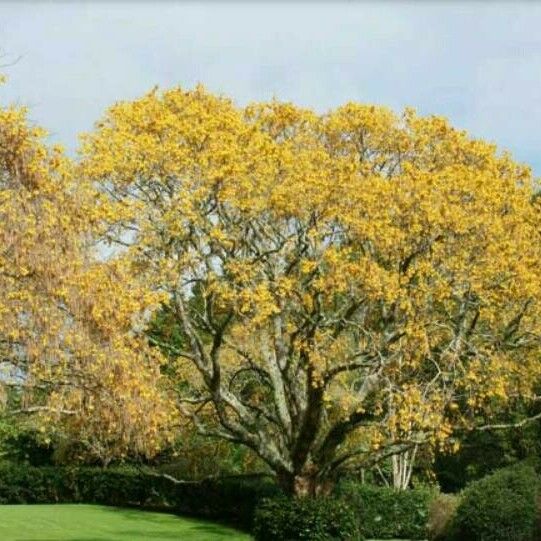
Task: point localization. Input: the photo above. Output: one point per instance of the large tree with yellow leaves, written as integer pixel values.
(366, 281)
(349, 286)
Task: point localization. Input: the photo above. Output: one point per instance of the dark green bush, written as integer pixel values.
(384, 513)
(20, 483)
(500, 507)
(310, 519)
(27, 484)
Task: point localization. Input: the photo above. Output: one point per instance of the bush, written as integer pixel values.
(311, 519)
(441, 515)
(27, 484)
(500, 507)
(48, 484)
(385, 513)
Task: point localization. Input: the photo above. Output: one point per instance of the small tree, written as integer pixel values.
(367, 281)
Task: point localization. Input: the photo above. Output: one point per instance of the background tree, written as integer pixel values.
(67, 345)
(368, 281)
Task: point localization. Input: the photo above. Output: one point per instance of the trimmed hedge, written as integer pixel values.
(48, 484)
(310, 519)
(385, 513)
(499, 507)
(229, 499)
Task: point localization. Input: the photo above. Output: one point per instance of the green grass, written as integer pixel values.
(97, 523)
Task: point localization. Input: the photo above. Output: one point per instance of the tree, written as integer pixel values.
(67, 347)
(368, 281)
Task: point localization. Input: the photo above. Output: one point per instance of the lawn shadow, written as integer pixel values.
(188, 523)
(206, 531)
(71, 539)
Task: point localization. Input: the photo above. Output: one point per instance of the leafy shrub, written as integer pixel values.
(48, 484)
(441, 514)
(26, 484)
(384, 513)
(500, 507)
(310, 519)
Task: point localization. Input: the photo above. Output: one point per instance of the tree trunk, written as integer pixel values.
(305, 484)
(403, 468)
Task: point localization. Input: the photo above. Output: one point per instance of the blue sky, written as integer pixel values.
(478, 63)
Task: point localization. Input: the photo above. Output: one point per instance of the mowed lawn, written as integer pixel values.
(98, 523)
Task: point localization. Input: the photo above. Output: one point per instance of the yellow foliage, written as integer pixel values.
(67, 319)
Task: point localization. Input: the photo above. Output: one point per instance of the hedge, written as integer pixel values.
(47, 484)
(385, 513)
(499, 507)
(305, 519)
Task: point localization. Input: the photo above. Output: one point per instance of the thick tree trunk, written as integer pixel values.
(305, 484)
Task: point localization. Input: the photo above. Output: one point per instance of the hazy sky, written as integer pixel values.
(477, 63)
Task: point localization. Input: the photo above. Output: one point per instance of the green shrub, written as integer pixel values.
(384, 513)
(49, 484)
(27, 484)
(115, 486)
(310, 519)
(500, 507)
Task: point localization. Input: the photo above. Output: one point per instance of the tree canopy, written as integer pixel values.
(361, 274)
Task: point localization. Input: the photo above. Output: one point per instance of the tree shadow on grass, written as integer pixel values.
(186, 524)
(207, 533)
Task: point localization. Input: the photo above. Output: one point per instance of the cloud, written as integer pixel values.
(477, 63)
